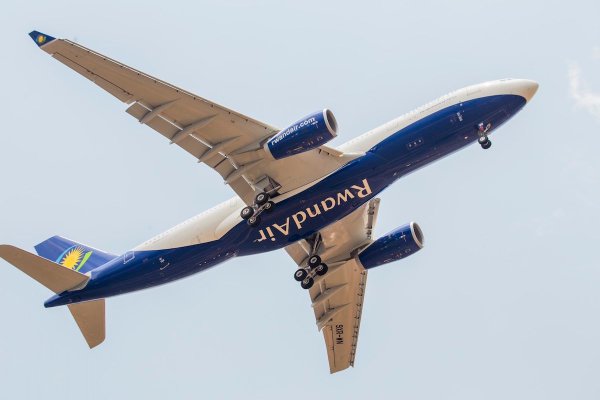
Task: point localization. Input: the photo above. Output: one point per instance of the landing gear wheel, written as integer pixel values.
(322, 269)
(261, 198)
(254, 220)
(269, 205)
(307, 283)
(485, 142)
(313, 261)
(247, 212)
(300, 275)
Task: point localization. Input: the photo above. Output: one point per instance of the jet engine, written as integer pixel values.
(306, 134)
(399, 243)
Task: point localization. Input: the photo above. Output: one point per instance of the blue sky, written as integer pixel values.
(503, 302)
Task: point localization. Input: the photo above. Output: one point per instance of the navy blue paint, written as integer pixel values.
(392, 246)
(55, 246)
(436, 136)
(306, 134)
(40, 38)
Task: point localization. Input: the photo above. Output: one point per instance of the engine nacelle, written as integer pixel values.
(397, 244)
(306, 134)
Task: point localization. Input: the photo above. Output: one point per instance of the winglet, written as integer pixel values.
(41, 38)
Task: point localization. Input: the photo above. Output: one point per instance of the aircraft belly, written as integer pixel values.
(309, 211)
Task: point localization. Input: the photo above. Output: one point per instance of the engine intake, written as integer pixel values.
(399, 243)
(306, 134)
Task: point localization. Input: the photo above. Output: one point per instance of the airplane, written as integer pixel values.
(292, 191)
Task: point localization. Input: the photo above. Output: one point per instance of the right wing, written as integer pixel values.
(225, 140)
(337, 297)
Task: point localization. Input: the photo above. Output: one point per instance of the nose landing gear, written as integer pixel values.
(483, 140)
(261, 204)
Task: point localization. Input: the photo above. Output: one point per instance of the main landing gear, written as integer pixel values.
(262, 203)
(483, 140)
(314, 267)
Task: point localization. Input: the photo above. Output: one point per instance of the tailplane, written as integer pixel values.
(89, 316)
(91, 320)
(76, 256)
(50, 274)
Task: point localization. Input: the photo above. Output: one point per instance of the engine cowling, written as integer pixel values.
(395, 245)
(306, 134)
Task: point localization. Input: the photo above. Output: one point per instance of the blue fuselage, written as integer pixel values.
(309, 211)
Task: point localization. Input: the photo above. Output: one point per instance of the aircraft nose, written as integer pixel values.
(526, 88)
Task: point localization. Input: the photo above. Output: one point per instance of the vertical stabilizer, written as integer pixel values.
(76, 256)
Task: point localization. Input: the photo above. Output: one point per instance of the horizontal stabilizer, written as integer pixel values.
(55, 277)
(90, 318)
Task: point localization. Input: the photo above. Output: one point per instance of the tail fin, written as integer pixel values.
(70, 254)
(89, 316)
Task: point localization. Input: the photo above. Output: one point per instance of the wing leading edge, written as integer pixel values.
(225, 140)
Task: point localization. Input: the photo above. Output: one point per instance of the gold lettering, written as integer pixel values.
(281, 229)
(326, 205)
(344, 196)
(331, 201)
(317, 211)
(270, 232)
(363, 191)
(299, 221)
(262, 237)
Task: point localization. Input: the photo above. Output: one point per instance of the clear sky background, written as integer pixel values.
(503, 302)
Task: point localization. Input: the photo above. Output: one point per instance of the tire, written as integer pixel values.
(483, 140)
(322, 269)
(307, 283)
(486, 145)
(247, 212)
(261, 198)
(254, 220)
(313, 261)
(269, 205)
(300, 275)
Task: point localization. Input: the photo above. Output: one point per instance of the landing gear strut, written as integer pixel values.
(261, 204)
(314, 265)
(483, 140)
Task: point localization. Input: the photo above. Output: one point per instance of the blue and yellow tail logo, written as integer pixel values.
(40, 38)
(74, 257)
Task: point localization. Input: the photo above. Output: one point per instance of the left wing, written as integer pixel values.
(337, 297)
(225, 140)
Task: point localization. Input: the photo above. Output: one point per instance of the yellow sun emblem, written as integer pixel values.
(41, 39)
(72, 258)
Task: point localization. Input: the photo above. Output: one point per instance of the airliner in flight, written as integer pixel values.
(292, 191)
